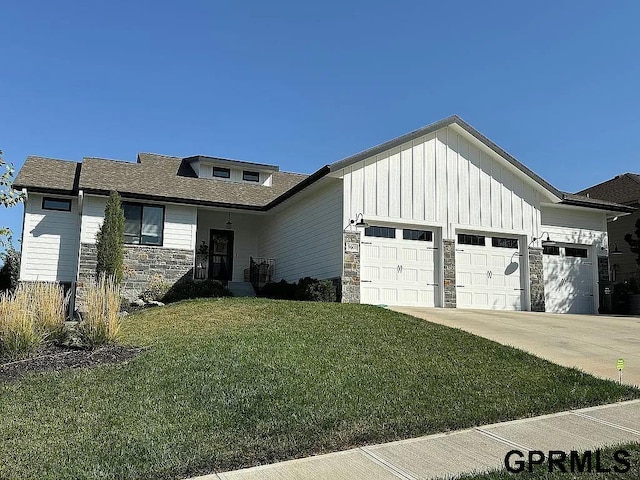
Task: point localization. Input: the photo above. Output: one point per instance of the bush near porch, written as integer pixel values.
(226, 383)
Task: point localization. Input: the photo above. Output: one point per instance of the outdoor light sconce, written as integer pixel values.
(616, 250)
(546, 242)
(229, 224)
(359, 222)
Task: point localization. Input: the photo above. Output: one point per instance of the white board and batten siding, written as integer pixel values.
(442, 179)
(305, 235)
(179, 223)
(49, 242)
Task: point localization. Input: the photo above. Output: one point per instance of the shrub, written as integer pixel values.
(46, 302)
(110, 240)
(281, 290)
(10, 271)
(312, 289)
(189, 288)
(19, 335)
(306, 289)
(101, 322)
(156, 289)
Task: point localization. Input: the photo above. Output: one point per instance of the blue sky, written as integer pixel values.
(302, 84)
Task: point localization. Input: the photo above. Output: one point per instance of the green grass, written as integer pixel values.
(236, 382)
(541, 472)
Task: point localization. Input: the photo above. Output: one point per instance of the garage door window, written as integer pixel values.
(420, 235)
(504, 242)
(464, 239)
(382, 232)
(576, 252)
(551, 250)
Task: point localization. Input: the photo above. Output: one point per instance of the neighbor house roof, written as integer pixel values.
(624, 189)
(159, 177)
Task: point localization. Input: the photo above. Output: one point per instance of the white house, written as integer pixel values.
(438, 217)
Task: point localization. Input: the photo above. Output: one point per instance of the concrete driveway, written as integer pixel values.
(587, 342)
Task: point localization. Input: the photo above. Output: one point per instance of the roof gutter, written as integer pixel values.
(598, 206)
(310, 180)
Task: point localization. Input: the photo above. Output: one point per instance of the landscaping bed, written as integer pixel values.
(230, 383)
(55, 358)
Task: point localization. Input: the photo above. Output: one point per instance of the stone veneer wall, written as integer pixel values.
(141, 264)
(536, 279)
(449, 254)
(351, 268)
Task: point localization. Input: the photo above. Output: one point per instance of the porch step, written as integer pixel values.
(241, 289)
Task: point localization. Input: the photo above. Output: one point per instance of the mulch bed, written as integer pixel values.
(55, 358)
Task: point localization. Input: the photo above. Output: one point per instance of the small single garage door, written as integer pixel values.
(488, 272)
(568, 279)
(397, 267)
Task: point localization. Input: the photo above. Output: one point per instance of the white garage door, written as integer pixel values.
(488, 272)
(397, 267)
(568, 279)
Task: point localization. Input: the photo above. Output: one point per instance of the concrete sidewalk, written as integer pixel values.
(465, 451)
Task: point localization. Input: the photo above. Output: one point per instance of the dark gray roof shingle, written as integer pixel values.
(624, 189)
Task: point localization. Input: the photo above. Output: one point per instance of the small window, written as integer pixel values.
(143, 224)
(420, 235)
(464, 239)
(502, 242)
(551, 250)
(576, 252)
(250, 176)
(220, 172)
(59, 204)
(383, 232)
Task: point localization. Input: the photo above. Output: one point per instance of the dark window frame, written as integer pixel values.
(473, 240)
(53, 199)
(507, 242)
(225, 172)
(551, 250)
(571, 252)
(372, 231)
(413, 234)
(246, 173)
(142, 205)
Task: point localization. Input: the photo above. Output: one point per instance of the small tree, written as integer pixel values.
(634, 243)
(8, 196)
(10, 271)
(110, 239)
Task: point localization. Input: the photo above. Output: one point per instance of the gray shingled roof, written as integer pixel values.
(624, 189)
(152, 177)
(173, 178)
(48, 174)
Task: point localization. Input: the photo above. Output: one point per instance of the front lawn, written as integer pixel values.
(236, 382)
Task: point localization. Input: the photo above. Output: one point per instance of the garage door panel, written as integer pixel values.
(488, 277)
(395, 271)
(568, 282)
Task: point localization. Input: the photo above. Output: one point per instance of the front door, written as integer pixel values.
(220, 255)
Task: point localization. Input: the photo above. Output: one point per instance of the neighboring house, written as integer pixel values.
(623, 189)
(453, 221)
